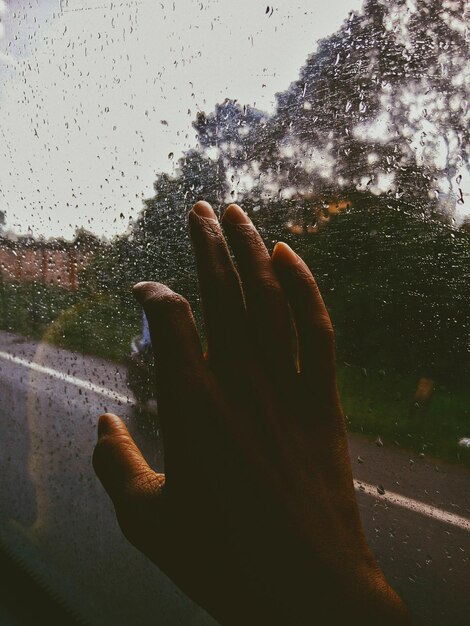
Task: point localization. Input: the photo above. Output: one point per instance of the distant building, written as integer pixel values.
(27, 260)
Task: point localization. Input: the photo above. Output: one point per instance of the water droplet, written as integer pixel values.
(458, 180)
(360, 459)
(171, 155)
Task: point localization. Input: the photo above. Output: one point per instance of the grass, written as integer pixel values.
(378, 404)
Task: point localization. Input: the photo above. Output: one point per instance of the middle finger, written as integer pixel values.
(266, 304)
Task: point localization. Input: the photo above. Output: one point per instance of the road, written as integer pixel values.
(56, 518)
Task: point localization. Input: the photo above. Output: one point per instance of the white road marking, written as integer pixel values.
(389, 496)
(73, 380)
(414, 505)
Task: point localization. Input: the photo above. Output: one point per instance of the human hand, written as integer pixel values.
(255, 517)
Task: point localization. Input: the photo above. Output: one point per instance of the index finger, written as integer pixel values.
(179, 362)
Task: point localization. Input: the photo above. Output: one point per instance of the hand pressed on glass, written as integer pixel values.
(256, 517)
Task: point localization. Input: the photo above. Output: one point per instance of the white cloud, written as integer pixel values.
(81, 137)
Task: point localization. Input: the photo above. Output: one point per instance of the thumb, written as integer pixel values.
(119, 464)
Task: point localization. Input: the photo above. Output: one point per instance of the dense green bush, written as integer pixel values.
(94, 323)
(398, 289)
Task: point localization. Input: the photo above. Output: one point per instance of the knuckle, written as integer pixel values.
(166, 304)
(157, 298)
(211, 231)
(204, 229)
(248, 235)
(145, 483)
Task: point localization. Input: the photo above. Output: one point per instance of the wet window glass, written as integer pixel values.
(341, 128)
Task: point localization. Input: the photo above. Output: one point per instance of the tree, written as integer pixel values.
(397, 286)
(382, 104)
(236, 134)
(377, 120)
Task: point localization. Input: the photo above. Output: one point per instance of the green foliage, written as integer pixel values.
(398, 289)
(377, 403)
(100, 324)
(30, 308)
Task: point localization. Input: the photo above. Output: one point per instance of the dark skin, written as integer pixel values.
(256, 517)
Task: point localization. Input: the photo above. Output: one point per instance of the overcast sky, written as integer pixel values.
(94, 95)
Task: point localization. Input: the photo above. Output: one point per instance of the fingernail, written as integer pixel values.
(204, 209)
(284, 256)
(236, 215)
